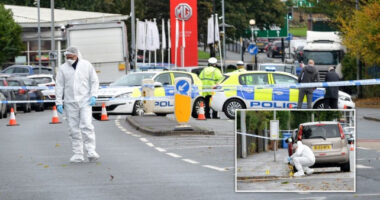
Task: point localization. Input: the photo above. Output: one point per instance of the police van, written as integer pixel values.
(123, 97)
(241, 90)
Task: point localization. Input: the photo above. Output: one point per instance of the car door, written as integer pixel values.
(166, 92)
(284, 97)
(251, 92)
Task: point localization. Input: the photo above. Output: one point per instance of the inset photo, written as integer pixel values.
(295, 151)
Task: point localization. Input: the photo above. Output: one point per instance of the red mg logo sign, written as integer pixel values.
(183, 11)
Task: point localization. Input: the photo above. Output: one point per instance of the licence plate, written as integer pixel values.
(322, 147)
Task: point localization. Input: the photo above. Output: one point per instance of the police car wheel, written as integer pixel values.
(196, 106)
(319, 105)
(138, 108)
(231, 105)
(97, 116)
(161, 114)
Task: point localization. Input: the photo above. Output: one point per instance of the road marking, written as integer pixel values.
(190, 161)
(198, 147)
(174, 155)
(359, 166)
(215, 168)
(143, 140)
(363, 148)
(149, 144)
(160, 149)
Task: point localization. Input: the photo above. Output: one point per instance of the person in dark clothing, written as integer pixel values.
(331, 95)
(308, 75)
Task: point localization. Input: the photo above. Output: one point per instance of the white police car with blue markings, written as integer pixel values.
(241, 90)
(123, 97)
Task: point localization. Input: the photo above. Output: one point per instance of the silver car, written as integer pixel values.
(328, 142)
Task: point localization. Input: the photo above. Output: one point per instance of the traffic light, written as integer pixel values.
(290, 15)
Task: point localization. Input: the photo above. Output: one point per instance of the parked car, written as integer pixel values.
(43, 79)
(261, 43)
(9, 94)
(25, 70)
(328, 143)
(298, 53)
(349, 131)
(3, 107)
(21, 94)
(275, 49)
(34, 94)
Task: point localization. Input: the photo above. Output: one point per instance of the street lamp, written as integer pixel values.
(252, 23)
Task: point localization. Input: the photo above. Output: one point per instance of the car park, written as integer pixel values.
(121, 97)
(328, 143)
(241, 90)
(25, 70)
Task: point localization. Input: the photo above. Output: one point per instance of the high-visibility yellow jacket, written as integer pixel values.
(209, 77)
(240, 70)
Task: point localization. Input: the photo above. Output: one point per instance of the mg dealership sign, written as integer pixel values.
(184, 10)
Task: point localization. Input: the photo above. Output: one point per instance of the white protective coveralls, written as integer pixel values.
(77, 86)
(302, 159)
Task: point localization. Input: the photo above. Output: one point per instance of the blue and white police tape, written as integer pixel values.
(101, 100)
(260, 136)
(236, 87)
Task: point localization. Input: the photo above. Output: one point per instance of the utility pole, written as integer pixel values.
(358, 67)
(224, 35)
(133, 39)
(39, 36)
(52, 29)
(243, 128)
(212, 49)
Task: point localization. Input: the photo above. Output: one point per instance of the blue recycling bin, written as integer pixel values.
(285, 136)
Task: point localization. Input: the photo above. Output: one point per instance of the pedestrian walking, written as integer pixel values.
(76, 91)
(331, 94)
(210, 76)
(308, 74)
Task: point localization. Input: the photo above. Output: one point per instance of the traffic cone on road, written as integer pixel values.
(352, 147)
(12, 120)
(201, 112)
(104, 116)
(55, 119)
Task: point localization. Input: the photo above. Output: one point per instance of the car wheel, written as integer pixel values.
(231, 105)
(345, 167)
(161, 114)
(319, 105)
(97, 116)
(2, 113)
(196, 106)
(138, 108)
(40, 107)
(5, 112)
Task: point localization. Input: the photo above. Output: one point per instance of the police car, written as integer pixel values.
(236, 92)
(121, 97)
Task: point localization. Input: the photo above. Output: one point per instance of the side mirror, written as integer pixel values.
(157, 84)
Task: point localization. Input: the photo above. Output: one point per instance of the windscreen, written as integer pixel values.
(320, 131)
(134, 79)
(322, 57)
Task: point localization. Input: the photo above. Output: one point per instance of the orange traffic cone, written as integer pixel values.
(55, 119)
(201, 112)
(12, 120)
(352, 147)
(104, 116)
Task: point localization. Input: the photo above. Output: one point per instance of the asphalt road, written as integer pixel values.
(35, 164)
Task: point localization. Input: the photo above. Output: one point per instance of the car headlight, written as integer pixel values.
(344, 98)
(124, 96)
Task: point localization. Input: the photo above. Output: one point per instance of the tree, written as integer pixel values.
(10, 36)
(361, 33)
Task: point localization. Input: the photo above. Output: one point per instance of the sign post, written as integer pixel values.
(274, 129)
(182, 103)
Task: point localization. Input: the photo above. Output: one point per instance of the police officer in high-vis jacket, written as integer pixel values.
(210, 76)
(240, 67)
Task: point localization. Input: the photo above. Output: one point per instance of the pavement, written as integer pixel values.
(160, 126)
(262, 165)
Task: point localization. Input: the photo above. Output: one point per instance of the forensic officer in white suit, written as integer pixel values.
(76, 91)
(302, 159)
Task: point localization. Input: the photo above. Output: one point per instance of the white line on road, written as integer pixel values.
(174, 155)
(359, 166)
(160, 149)
(143, 140)
(149, 144)
(215, 168)
(363, 148)
(190, 161)
(197, 147)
